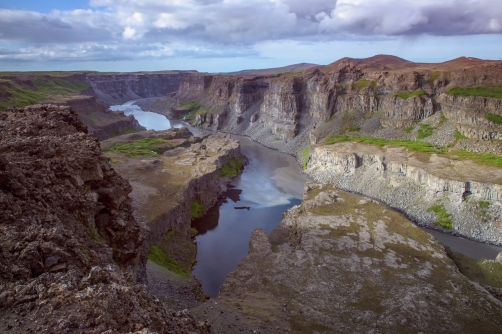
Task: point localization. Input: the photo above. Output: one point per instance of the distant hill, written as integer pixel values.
(271, 71)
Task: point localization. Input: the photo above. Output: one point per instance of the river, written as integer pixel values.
(271, 183)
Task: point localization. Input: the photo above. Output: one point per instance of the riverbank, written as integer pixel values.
(175, 177)
(386, 193)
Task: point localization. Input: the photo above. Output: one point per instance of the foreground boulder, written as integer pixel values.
(69, 243)
(345, 264)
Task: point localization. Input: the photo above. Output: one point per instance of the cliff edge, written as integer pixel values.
(69, 243)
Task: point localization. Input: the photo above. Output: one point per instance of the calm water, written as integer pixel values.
(150, 120)
(269, 185)
(225, 231)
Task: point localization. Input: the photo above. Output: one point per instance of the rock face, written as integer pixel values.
(122, 87)
(341, 263)
(69, 243)
(403, 180)
(186, 169)
(384, 97)
(100, 121)
(290, 106)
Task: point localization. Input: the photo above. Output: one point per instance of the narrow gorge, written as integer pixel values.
(253, 202)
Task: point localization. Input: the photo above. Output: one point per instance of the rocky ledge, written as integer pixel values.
(414, 182)
(69, 243)
(175, 177)
(343, 263)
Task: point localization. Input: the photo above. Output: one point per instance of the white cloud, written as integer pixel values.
(238, 24)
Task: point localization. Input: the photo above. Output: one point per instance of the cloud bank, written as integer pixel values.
(127, 29)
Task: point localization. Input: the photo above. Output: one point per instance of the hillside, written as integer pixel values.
(450, 110)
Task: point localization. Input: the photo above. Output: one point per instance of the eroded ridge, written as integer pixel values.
(343, 263)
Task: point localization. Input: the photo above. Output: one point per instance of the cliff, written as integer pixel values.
(343, 263)
(69, 242)
(117, 88)
(101, 122)
(444, 109)
(405, 181)
(171, 187)
(369, 94)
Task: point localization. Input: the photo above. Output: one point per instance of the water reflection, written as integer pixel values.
(150, 120)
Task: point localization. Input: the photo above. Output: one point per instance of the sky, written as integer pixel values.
(232, 35)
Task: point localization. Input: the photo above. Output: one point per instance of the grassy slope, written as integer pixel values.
(18, 90)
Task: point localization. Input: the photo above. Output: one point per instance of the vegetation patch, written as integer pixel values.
(443, 218)
(305, 157)
(192, 106)
(407, 95)
(434, 76)
(147, 147)
(46, 88)
(459, 135)
(425, 131)
(363, 83)
(494, 92)
(232, 168)
(277, 139)
(193, 232)
(413, 145)
(160, 257)
(409, 129)
(354, 129)
(497, 119)
(487, 159)
(482, 271)
(197, 210)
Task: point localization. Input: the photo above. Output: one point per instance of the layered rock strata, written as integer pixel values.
(186, 169)
(289, 110)
(101, 122)
(413, 182)
(69, 243)
(118, 88)
(341, 263)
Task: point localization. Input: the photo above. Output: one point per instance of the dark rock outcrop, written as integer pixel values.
(343, 263)
(69, 243)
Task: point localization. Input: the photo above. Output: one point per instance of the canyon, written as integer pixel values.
(381, 97)
(100, 227)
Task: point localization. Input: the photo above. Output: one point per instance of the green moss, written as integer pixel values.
(407, 95)
(85, 254)
(443, 218)
(484, 204)
(192, 106)
(425, 131)
(193, 232)
(277, 139)
(487, 159)
(232, 168)
(204, 112)
(459, 135)
(305, 157)
(494, 92)
(363, 83)
(160, 257)
(170, 234)
(147, 147)
(409, 129)
(354, 129)
(482, 271)
(197, 210)
(434, 76)
(497, 119)
(414, 145)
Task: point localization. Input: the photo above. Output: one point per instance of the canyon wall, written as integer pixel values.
(118, 88)
(399, 179)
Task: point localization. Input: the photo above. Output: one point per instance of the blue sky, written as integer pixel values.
(230, 35)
